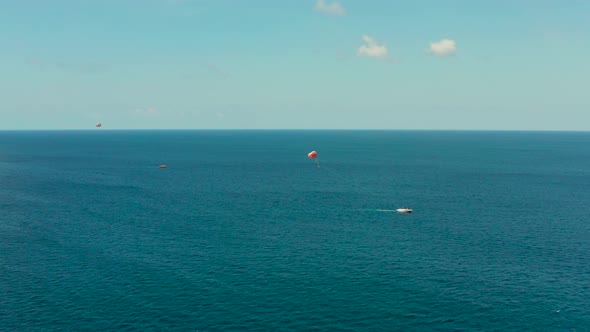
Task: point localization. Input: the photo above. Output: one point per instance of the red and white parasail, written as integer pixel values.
(98, 125)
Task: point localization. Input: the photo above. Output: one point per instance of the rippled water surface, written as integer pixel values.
(243, 232)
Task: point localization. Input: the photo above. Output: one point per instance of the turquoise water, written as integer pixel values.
(243, 233)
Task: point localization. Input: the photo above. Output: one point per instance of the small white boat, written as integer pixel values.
(404, 210)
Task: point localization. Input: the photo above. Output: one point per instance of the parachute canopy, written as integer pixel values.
(312, 155)
(98, 125)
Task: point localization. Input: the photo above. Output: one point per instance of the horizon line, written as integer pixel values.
(295, 129)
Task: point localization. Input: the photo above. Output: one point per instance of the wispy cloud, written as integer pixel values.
(150, 111)
(444, 47)
(372, 49)
(217, 71)
(334, 8)
(83, 68)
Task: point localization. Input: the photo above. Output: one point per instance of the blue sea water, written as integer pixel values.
(243, 233)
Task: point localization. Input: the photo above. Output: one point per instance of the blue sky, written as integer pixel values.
(370, 64)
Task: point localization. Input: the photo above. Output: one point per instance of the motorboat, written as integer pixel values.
(404, 210)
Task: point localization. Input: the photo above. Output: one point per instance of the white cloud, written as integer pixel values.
(334, 8)
(372, 49)
(443, 47)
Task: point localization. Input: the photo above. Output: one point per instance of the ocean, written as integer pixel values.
(242, 232)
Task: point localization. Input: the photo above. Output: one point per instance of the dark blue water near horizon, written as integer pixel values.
(243, 233)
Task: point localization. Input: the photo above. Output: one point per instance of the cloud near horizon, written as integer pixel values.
(334, 8)
(146, 111)
(372, 49)
(444, 47)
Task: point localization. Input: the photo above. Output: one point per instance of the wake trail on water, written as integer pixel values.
(374, 210)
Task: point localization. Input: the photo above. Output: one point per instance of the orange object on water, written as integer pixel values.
(163, 166)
